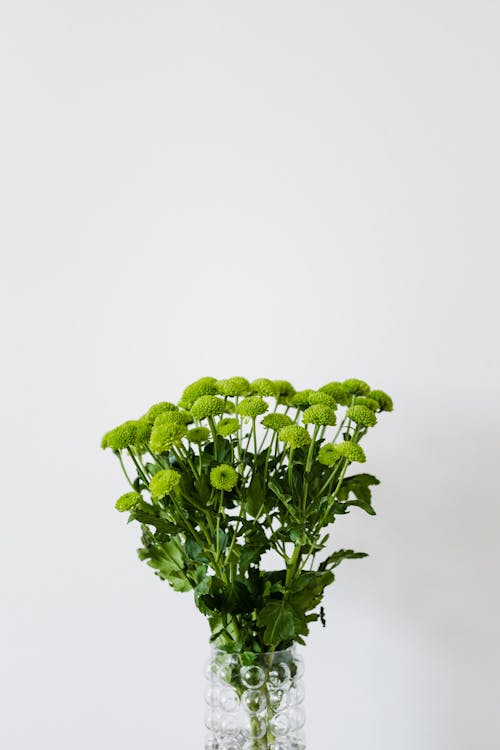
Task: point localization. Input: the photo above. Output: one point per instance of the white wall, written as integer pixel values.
(305, 190)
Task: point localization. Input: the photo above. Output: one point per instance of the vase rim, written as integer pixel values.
(218, 650)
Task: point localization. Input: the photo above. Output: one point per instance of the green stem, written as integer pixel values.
(138, 467)
(310, 454)
(254, 441)
(186, 455)
(290, 471)
(211, 422)
(292, 567)
(325, 514)
(158, 460)
(125, 471)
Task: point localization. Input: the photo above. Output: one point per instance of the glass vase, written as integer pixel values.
(255, 701)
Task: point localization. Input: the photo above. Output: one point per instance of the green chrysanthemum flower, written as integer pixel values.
(223, 477)
(294, 436)
(276, 421)
(165, 436)
(207, 406)
(233, 387)
(351, 451)
(300, 399)
(263, 387)
(198, 434)
(252, 406)
(131, 434)
(328, 454)
(128, 501)
(229, 407)
(227, 426)
(163, 483)
(384, 401)
(319, 397)
(157, 409)
(362, 415)
(337, 391)
(367, 401)
(356, 387)
(283, 391)
(319, 414)
(201, 387)
(174, 417)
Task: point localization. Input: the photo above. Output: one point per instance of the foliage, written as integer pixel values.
(214, 499)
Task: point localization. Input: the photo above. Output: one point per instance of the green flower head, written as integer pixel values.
(319, 414)
(223, 477)
(163, 483)
(328, 454)
(252, 406)
(131, 434)
(300, 399)
(362, 415)
(283, 391)
(229, 407)
(351, 451)
(174, 417)
(165, 436)
(157, 409)
(207, 406)
(337, 391)
(128, 501)
(384, 401)
(294, 436)
(263, 387)
(201, 387)
(356, 387)
(367, 401)
(276, 421)
(319, 397)
(227, 426)
(198, 434)
(236, 386)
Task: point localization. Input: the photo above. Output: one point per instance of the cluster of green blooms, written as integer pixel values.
(234, 469)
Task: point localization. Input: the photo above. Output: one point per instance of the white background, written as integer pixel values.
(301, 190)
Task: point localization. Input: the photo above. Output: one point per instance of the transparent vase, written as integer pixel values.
(255, 701)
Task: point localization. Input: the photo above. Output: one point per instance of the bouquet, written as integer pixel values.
(236, 488)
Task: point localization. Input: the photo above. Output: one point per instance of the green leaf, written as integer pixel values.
(337, 557)
(364, 505)
(193, 549)
(307, 590)
(231, 598)
(255, 496)
(295, 533)
(359, 485)
(168, 561)
(222, 540)
(278, 620)
(253, 549)
(146, 514)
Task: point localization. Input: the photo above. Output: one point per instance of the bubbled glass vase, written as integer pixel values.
(255, 701)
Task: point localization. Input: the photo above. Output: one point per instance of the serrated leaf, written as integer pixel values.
(167, 559)
(359, 485)
(231, 598)
(278, 620)
(255, 496)
(193, 549)
(307, 589)
(337, 557)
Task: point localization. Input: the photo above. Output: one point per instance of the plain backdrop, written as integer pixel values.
(300, 190)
